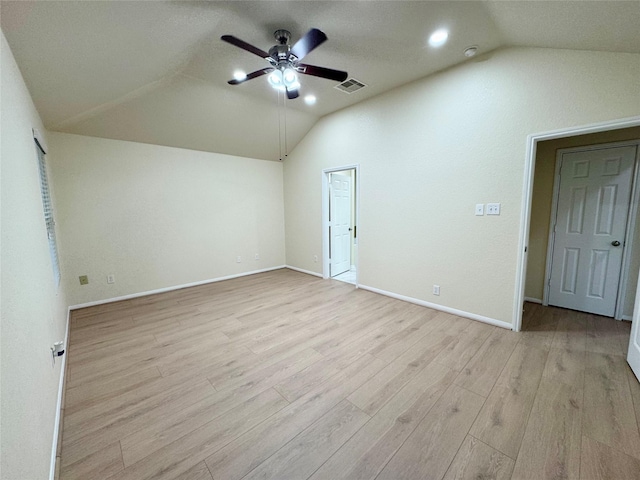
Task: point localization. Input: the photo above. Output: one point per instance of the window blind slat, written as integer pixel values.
(48, 212)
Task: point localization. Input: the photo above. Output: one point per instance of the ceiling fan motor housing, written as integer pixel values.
(282, 36)
(280, 55)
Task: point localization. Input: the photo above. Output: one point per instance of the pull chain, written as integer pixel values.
(284, 101)
(279, 124)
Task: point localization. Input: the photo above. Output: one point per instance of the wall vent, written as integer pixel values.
(351, 85)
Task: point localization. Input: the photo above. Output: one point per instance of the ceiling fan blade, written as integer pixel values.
(244, 45)
(331, 74)
(257, 73)
(308, 42)
(291, 94)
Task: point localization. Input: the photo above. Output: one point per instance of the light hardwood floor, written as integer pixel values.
(287, 376)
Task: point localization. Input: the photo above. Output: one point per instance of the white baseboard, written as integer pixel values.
(435, 306)
(301, 270)
(56, 425)
(533, 300)
(628, 318)
(175, 287)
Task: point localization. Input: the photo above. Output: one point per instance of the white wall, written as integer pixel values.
(157, 217)
(431, 150)
(33, 309)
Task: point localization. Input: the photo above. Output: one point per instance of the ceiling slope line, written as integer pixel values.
(104, 107)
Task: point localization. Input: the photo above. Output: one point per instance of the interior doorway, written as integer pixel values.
(340, 229)
(544, 219)
(591, 229)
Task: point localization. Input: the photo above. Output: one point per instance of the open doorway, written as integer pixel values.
(536, 239)
(340, 229)
(556, 209)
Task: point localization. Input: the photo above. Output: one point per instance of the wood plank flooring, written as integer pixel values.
(286, 376)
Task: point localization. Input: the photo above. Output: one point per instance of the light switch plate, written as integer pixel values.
(493, 209)
(479, 208)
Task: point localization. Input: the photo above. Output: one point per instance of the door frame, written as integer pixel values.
(630, 222)
(527, 195)
(326, 173)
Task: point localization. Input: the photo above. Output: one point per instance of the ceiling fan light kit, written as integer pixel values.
(285, 61)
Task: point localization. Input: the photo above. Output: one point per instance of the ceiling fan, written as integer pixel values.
(285, 61)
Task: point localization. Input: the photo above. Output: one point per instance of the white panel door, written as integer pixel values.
(340, 212)
(633, 355)
(593, 203)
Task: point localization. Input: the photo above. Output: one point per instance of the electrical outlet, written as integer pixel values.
(315, 258)
(111, 279)
(238, 259)
(436, 289)
(493, 209)
(479, 209)
(84, 280)
(257, 257)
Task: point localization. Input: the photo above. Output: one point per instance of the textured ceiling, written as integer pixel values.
(156, 72)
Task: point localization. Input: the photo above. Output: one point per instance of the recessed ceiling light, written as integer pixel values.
(438, 38)
(471, 51)
(239, 75)
(310, 99)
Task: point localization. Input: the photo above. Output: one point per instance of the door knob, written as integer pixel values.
(615, 243)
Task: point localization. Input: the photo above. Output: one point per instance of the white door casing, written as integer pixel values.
(340, 212)
(633, 354)
(592, 208)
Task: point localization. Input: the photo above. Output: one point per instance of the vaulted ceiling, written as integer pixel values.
(156, 72)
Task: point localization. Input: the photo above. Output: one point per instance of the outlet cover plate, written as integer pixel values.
(493, 209)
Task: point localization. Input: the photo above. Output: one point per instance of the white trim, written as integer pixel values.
(56, 424)
(625, 268)
(527, 193)
(533, 300)
(302, 270)
(627, 318)
(442, 308)
(552, 233)
(170, 289)
(325, 216)
(599, 146)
